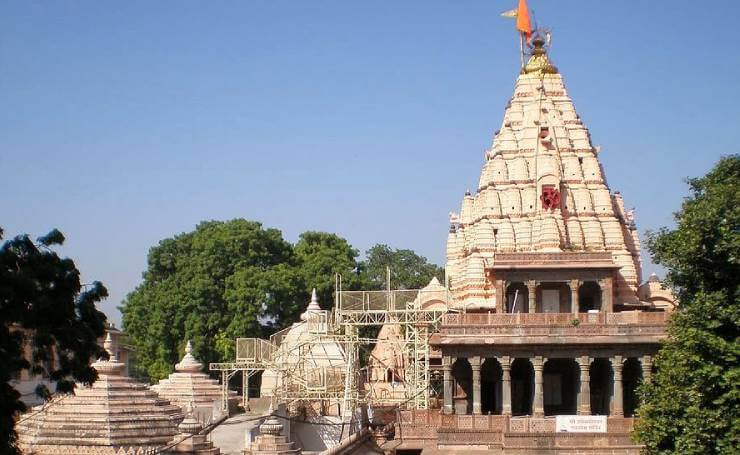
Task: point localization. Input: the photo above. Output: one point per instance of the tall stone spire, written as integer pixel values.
(541, 190)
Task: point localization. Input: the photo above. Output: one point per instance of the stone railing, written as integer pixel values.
(583, 258)
(522, 434)
(498, 423)
(534, 324)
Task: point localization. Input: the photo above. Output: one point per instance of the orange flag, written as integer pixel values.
(522, 19)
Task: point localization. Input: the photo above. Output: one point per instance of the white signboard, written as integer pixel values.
(580, 424)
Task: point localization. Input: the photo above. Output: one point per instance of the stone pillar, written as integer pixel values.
(501, 296)
(532, 288)
(607, 301)
(574, 304)
(647, 368)
(584, 395)
(538, 407)
(505, 385)
(617, 408)
(475, 364)
(447, 370)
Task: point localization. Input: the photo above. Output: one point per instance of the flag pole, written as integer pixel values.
(521, 49)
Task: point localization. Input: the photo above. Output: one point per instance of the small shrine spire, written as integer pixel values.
(189, 363)
(112, 366)
(313, 305)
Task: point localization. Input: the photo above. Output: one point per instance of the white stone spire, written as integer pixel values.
(112, 366)
(542, 190)
(313, 305)
(188, 362)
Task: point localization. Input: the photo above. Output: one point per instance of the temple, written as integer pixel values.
(548, 325)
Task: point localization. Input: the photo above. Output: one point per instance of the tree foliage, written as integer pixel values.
(692, 404)
(220, 281)
(320, 257)
(43, 306)
(408, 269)
(237, 279)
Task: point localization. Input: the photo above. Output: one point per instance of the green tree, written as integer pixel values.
(408, 269)
(222, 281)
(321, 255)
(43, 305)
(236, 279)
(692, 404)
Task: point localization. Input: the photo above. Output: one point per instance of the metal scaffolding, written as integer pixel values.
(321, 362)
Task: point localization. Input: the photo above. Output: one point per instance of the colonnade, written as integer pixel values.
(538, 365)
(605, 287)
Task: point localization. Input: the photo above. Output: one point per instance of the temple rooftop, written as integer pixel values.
(115, 415)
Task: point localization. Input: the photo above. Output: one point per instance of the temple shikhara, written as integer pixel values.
(535, 341)
(548, 330)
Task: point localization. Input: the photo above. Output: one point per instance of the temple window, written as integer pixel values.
(589, 297)
(517, 298)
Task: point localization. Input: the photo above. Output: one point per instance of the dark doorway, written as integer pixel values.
(601, 386)
(490, 387)
(560, 386)
(522, 387)
(462, 394)
(631, 377)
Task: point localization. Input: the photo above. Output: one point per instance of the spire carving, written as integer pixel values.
(541, 190)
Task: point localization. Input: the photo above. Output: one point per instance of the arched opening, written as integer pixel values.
(522, 387)
(389, 375)
(589, 297)
(631, 377)
(560, 386)
(517, 298)
(600, 386)
(462, 396)
(490, 387)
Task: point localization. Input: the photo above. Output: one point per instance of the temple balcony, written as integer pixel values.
(559, 328)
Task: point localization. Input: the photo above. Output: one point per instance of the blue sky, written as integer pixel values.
(123, 123)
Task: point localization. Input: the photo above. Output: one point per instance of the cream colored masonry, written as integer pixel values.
(542, 141)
